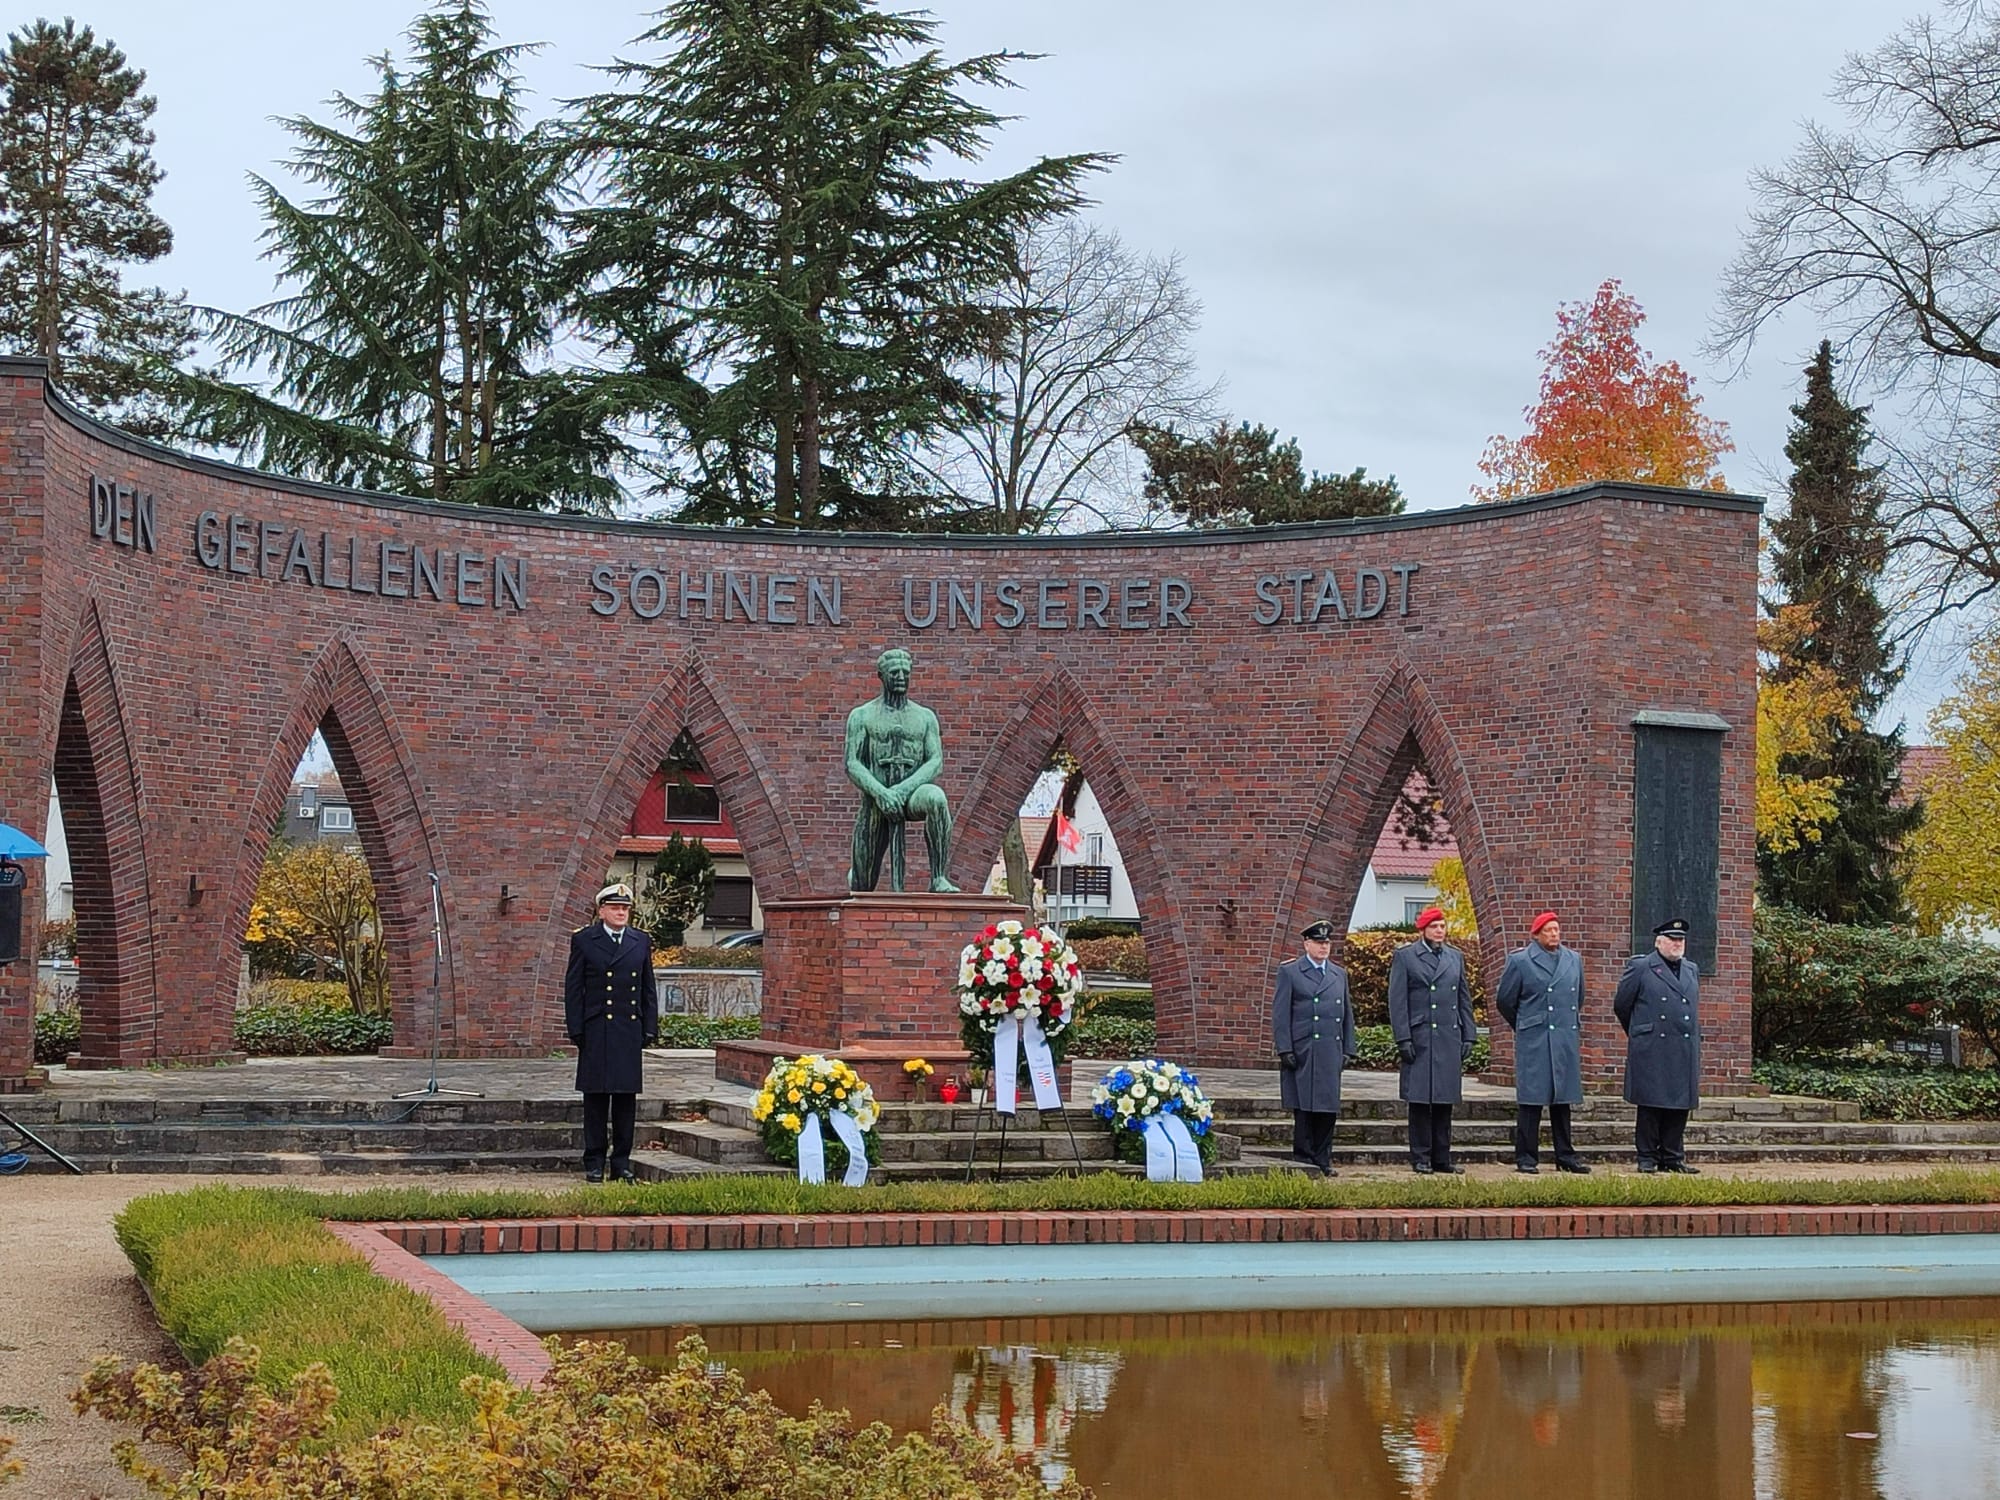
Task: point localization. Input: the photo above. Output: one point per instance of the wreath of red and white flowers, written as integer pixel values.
(1012, 970)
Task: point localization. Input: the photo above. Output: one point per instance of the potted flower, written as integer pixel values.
(975, 1082)
(918, 1072)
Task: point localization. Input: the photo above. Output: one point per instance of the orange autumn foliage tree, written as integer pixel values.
(1607, 412)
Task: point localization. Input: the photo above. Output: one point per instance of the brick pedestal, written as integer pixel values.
(868, 978)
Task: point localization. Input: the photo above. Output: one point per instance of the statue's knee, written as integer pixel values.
(926, 800)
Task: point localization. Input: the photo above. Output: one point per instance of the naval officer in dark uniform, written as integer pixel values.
(1312, 1028)
(611, 1011)
(1659, 1004)
(1430, 1011)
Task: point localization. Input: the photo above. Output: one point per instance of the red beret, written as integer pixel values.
(1540, 922)
(1427, 916)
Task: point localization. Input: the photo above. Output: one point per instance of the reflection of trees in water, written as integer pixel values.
(1810, 1392)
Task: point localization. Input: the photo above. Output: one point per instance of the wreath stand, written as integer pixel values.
(986, 1107)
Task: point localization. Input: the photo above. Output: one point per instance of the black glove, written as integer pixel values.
(1289, 1059)
(1407, 1051)
(653, 1040)
(575, 1040)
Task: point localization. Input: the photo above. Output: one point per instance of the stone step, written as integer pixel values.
(1594, 1107)
(713, 1142)
(1599, 1133)
(38, 1110)
(223, 1140)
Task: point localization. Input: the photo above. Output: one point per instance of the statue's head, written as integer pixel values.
(893, 667)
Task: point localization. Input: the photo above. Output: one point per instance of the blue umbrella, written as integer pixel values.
(15, 844)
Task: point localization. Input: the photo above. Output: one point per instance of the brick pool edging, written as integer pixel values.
(392, 1248)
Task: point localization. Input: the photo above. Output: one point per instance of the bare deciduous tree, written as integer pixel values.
(1099, 341)
(1890, 231)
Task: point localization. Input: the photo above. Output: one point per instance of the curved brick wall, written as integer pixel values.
(496, 689)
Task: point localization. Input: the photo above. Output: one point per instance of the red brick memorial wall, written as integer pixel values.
(496, 688)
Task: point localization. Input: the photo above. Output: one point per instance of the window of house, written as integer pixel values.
(1413, 907)
(687, 803)
(729, 902)
(1094, 848)
(336, 819)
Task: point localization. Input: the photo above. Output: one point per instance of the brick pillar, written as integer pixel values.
(24, 773)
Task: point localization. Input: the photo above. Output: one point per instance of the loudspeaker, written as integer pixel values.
(13, 882)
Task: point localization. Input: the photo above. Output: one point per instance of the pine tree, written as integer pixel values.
(793, 286)
(1243, 476)
(76, 184)
(413, 349)
(1828, 554)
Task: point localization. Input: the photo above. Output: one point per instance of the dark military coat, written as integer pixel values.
(1661, 1014)
(1430, 1006)
(1541, 997)
(1312, 1018)
(610, 1008)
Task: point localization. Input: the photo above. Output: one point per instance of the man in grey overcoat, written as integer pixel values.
(1312, 1029)
(1541, 998)
(1430, 1010)
(1659, 1005)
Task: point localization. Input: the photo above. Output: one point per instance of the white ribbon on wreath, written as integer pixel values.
(1171, 1154)
(812, 1150)
(1012, 1037)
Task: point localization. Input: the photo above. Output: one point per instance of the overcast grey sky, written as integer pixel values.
(1380, 206)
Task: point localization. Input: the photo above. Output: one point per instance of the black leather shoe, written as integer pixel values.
(1328, 1172)
(1648, 1167)
(1684, 1169)
(628, 1175)
(1421, 1168)
(1527, 1169)
(1581, 1169)
(1450, 1169)
(593, 1177)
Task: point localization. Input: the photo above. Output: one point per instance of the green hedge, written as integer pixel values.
(1123, 956)
(1821, 987)
(745, 956)
(57, 1033)
(313, 1030)
(1100, 927)
(259, 1264)
(700, 1031)
(1893, 1092)
(1367, 958)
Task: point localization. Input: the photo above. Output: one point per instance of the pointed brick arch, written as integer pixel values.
(1401, 726)
(1060, 712)
(103, 819)
(688, 698)
(341, 698)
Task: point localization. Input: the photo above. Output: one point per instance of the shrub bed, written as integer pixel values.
(705, 1031)
(1821, 987)
(57, 1033)
(748, 956)
(1123, 956)
(1891, 1092)
(314, 1029)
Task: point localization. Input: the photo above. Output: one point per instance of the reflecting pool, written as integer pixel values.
(1794, 1401)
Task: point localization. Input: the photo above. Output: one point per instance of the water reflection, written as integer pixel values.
(1804, 1401)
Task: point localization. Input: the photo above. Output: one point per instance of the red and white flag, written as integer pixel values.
(1066, 834)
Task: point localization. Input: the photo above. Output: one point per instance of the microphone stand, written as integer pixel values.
(431, 1088)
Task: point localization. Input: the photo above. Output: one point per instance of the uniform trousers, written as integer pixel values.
(1312, 1136)
(1660, 1136)
(616, 1111)
(1528, 1130)
(1430, 1134)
